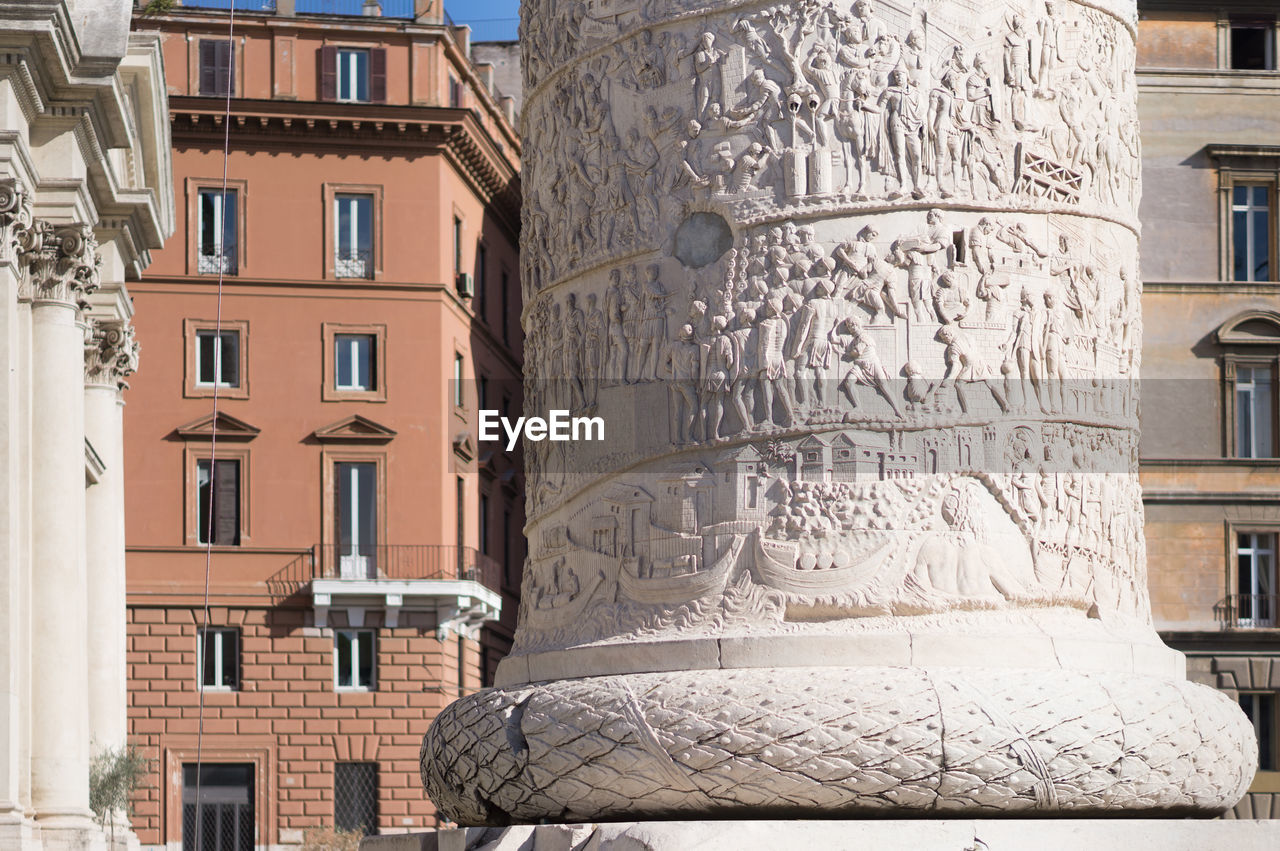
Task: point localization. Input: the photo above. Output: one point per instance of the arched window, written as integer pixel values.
(1251, 375)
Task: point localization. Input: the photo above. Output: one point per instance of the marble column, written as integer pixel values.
(62, 268)
(110, 355)
(855, 291)
(15, 315)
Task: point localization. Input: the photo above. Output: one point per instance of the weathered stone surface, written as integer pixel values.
(881, 834)
(866, 532)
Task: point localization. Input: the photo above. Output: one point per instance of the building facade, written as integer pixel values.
(1209, 97)
(321, 332)
(85, 195)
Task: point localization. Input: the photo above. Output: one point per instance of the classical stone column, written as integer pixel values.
(15, 215)
(856, 294)
(110, 354)
(61, 265)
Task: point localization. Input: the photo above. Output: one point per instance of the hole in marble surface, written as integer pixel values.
(702, 239)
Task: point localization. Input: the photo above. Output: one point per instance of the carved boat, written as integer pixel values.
(678, 589)
(777, 564)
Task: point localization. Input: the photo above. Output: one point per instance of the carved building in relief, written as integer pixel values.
(887, 256)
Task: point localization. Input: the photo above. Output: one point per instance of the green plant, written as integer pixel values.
(331, 839)
(114, 775)
(158, 7)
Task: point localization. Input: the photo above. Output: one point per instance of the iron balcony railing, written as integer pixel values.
(352, 264)
(213, 263)
(408, 562)
(1248, 611)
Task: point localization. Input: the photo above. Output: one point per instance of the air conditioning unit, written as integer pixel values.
(466, 285)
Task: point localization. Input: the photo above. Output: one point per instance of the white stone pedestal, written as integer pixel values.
(886, 835)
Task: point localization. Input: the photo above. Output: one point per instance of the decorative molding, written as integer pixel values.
(1265, 325)
(110, 352)
(226, 426)
(15, 216)
(354, 429)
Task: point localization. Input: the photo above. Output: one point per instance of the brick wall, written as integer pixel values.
(286, 717)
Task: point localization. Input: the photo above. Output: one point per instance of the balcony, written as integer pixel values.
(213, 263)
(460, 585)
(1247, 611)
(352, 264)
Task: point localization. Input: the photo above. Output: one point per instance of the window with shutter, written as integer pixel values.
(328, 73)
(378, 75)
(218, 505)
(217, 74)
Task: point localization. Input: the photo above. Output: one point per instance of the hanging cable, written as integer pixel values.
(220, 247)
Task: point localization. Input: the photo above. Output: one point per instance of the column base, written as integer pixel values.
(847, 742)
(69, 830)
(883, 835)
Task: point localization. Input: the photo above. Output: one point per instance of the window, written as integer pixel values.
(457, 246)
(1255, 403)
(1261, 709)
(1251, 232)
(218, 658)
(353, 237)
(217, 75)
(355, 796)
(459, 399)
(455, 92)
(357, 515)
(484, 523)
(1256, 579)
(353, 362)
(1253, 45)
(506, 306)
(217, 358)
(354, 74)
(218, 502)
(353, 659)
(224, 807)
(482, 296)
(217, 231)
(482, 393)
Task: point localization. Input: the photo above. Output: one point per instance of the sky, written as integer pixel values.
(490, 20)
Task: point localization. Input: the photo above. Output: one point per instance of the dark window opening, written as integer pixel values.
(355, 796)
(221, 817)
(1253, 46)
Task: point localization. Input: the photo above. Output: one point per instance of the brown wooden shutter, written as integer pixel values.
(328, 73)
(226, 502)
(378, 75)
(226, 73)
(208, 67)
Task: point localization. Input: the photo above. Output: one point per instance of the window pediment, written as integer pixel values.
(226, 426)
(354, 429)
(1253, 328)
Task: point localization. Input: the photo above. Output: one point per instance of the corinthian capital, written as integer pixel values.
(61, 262)
(15, 215)
(110, 352)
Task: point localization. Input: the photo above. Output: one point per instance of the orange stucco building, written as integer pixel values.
(362, 544)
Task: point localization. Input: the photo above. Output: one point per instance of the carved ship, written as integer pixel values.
(681, 588)
(785, 565)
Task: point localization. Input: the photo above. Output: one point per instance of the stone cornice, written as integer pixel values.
(305, 125)
(110, 353)
(58, 263)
